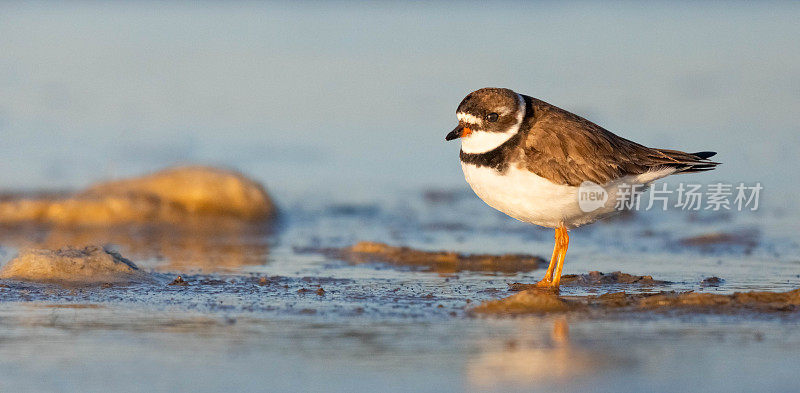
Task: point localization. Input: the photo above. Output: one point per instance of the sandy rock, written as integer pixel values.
(86, 265)
(197, 190)
(171, 195)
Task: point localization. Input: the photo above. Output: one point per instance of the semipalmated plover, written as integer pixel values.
(529, 159)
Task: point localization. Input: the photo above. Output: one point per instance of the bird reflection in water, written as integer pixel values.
(529, 360)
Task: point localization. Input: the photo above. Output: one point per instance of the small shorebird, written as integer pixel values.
(530, 160)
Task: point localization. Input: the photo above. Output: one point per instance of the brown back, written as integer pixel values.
(568, 149)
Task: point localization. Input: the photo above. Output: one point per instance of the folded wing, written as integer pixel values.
(568, 149)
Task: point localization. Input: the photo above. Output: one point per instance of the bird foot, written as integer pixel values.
(546, 285)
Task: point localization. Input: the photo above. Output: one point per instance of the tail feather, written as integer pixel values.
(685, 162)
(705, 154)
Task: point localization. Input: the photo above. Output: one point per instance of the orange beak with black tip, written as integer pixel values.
(460, 131)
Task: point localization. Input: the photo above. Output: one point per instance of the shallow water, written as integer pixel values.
(341, 110)
(389, 327)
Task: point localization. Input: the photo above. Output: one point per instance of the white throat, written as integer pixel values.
(483, 141)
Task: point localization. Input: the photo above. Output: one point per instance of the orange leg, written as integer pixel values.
(562, 249)
(547, 280)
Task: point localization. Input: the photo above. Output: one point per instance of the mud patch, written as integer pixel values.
(712, 282)
(537, 301)
(441, 196)
(596, 278)
(745, 240)
(436, 261)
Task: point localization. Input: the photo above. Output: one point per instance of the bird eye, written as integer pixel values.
(492, 117)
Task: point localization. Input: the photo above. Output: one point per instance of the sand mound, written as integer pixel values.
(438, 261)
(87, 265)
(526, 302)
(171, 195)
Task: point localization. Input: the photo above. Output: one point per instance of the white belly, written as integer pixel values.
(527, 197)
